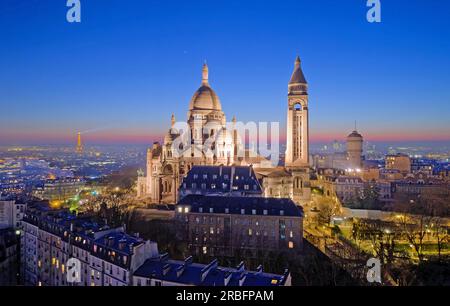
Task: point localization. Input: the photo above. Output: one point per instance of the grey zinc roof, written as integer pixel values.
(235, 205)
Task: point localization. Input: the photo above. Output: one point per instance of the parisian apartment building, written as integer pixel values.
(61, 249)
(226, 226)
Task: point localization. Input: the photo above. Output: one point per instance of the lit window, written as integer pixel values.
(227, 210)
(186, 209)
(291, 234)
(250, 231)
(291, 245)
(265, 211)
(180, 209)
(253, 211)
(274, 282)
(242, 211)
(211, 210)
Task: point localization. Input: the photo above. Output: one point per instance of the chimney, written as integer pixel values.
(259, 270)
(227, 278)
(180, 270)
(241, 267)
(188, 261)
(164, 257)
(166, 269)
(204, 272)
(242, 279)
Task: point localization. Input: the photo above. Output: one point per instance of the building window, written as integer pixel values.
(250, 232)
(265, 211)
(211, 210)
(227, 210)
(291, 245)
(242, 211)
(253, 211)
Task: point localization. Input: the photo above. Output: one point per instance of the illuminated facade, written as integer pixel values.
(79, 148)
(206, 121)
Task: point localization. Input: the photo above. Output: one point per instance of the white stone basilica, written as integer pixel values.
(207, 123)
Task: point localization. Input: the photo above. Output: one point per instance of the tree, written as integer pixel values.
(369, 197)
(415, 229)
(326, 210)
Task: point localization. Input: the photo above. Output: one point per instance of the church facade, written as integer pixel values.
(207, 127)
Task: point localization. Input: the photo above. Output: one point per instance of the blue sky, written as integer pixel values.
(129, 64)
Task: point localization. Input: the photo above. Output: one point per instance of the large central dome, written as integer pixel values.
(205, 98)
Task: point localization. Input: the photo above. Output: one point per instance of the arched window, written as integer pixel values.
(297, 107)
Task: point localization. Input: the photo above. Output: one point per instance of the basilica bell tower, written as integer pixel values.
(297, 135)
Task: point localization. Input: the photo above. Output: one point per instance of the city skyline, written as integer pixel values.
(121, 83)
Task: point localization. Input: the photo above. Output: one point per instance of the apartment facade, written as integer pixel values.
(222, 226)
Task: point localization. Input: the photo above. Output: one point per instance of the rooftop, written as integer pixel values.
(186, 272)
(238, 205)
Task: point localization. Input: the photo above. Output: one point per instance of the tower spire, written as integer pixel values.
(205, 74)
(79, 148)
(173, 119)
(297, 76)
